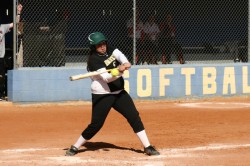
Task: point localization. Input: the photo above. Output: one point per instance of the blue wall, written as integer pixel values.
(142, 82)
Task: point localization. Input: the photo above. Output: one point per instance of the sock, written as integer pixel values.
(143, 138)
(80, 142)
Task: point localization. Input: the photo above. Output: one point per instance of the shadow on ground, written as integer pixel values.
(95, 146)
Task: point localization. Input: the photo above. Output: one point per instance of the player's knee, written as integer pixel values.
(96, 127)
(91, 130)
(136, 124)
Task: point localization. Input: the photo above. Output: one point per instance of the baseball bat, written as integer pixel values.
(86, 75)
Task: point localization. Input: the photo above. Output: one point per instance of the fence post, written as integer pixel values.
(14, 33)
(248, 46)
(134, 32)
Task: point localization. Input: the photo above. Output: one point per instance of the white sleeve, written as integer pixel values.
(6, 28)
(120, 56)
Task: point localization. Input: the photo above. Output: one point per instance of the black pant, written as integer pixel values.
(101, 105)
(2, 77)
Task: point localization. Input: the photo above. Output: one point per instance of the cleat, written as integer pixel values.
(71, 151)
(151, 151)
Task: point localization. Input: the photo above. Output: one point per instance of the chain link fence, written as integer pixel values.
(54, 32)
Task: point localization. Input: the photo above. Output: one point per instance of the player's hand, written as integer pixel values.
(124, 67)
(127, 66)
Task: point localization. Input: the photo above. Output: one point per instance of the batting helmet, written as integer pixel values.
(96, 38)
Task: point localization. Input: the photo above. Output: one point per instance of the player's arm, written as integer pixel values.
(97, 65)
(125, 65)
(19, 10)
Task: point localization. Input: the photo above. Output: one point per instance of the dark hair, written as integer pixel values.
(92, 51)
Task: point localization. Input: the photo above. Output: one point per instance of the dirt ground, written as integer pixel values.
(188, 132)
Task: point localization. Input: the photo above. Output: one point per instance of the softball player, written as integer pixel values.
(108, 92)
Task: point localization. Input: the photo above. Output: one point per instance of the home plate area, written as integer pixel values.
(187, 132)
(211, 154)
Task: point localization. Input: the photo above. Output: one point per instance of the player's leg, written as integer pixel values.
(125, 105)
(162, 50)
(155, 52)
(169, 50)
(179, 53)
(2, 78)
(101, 105)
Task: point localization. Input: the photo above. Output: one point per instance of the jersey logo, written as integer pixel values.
(109, 60)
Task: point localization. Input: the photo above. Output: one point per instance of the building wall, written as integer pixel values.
(142, 82)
